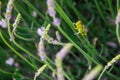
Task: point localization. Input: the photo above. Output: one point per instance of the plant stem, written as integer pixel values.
(117, 32)
(83, 52)
(17, 53)
(99, 10)
(111, 9)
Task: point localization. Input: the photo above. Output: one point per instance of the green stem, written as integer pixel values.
(99, 10)
(113, 76)
(102, 74)
(26, 51)
(5, 72)
(12, 74)
(117, 5)
(83, 52)
(68, 21)
(9, 31)
(52, 69)
(30, 5)
(17, 53)
(21, 15)
(47, 76)
(79, 15)
(22, 38)
(118, 33)
(117, 25)
(21, 10)
(34, 67)
(111, 8)
(63, 15)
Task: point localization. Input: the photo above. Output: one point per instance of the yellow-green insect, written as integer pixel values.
(80, 27)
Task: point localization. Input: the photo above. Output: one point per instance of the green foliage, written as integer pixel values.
(89, 54)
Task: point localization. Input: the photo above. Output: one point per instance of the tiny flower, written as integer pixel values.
(34, 13)
(12, 37)
(40, 31)
(55, 42)
(110, 63)
(93, 73)
(95, 41)
(50, 40)
(115, 59)
(59, 58)
(15, 24)
(3, 23)
(63, 52)
(59, 66)
(16, 65)
(41, 50)
(51, 9)
(54, 76)
(17, 21)
(58, 36)
(45, 36)
(9, 9)
(50, 3)
(51, 12)
(117, 21)
(40, 70)
(112, 44)
(56, 22)
(110, 20)
(10, 61)
(104, 78)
